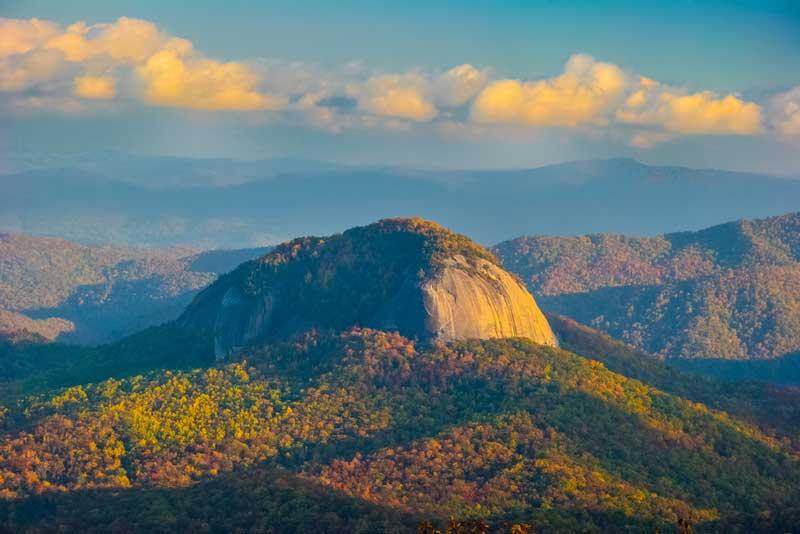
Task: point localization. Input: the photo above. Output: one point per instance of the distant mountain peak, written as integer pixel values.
(604, 163)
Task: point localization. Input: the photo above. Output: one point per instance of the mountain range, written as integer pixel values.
(159, 172)
(726, 292)
(730, 291)
(104, 203)
(89, 294)
(333, 416)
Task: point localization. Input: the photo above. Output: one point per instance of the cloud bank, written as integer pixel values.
(785, 113)
(593, 93)
(36, 54)
(48, 68)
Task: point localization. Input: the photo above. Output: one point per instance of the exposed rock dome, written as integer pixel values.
(408, 275)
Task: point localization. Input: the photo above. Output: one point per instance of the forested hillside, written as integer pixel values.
(784, 370)
(502, 430)
(99, 293)
(730, 291)
(16, 327)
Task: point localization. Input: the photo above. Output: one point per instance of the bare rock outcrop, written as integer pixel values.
(475, 299)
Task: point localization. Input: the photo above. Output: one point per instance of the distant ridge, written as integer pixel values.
(186, 205)
(65, 291)
(728, 291)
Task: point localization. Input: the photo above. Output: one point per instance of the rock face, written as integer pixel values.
(407, 275)
(475, 299)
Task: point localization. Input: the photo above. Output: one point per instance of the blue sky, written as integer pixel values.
(356, 49)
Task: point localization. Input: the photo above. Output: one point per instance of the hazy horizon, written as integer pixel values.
(52, 160)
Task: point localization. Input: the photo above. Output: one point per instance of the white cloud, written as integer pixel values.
(95, 87)
(402, 96)
(170, 79)
(20, 36)
(417, 96)
(85, 59)
(650, 103)
(784, 113)
(33, 68)
(583, 94)
(458, 85)
(591, 93)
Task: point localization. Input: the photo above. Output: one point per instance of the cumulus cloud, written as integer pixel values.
(417, 96)
(41, 55)
(33, 68)
(399, 96)
(651, 103)
(95, 87)
(784, 113)
(583, 94)
(126, 41)
(20, 36)
(199, 83)
(458, 85)
(592, 93)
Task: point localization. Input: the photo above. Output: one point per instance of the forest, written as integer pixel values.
(384, 434)
(731, 291)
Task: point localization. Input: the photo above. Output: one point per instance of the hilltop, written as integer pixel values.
(729, 291)
(408, 275)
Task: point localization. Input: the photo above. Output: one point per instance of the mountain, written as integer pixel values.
(89, 294)
(408, 275)
(621, 196)
(15, 326)
(319, 423)
(158, 172)
(784, 370)
(730, 291)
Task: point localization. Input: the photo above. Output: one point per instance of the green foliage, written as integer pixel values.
(773, 408)
(106, 291)
(784, 370)
(384, 434)
(731, 291)
(28, 366)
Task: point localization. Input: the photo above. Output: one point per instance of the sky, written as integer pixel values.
(422, 84)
